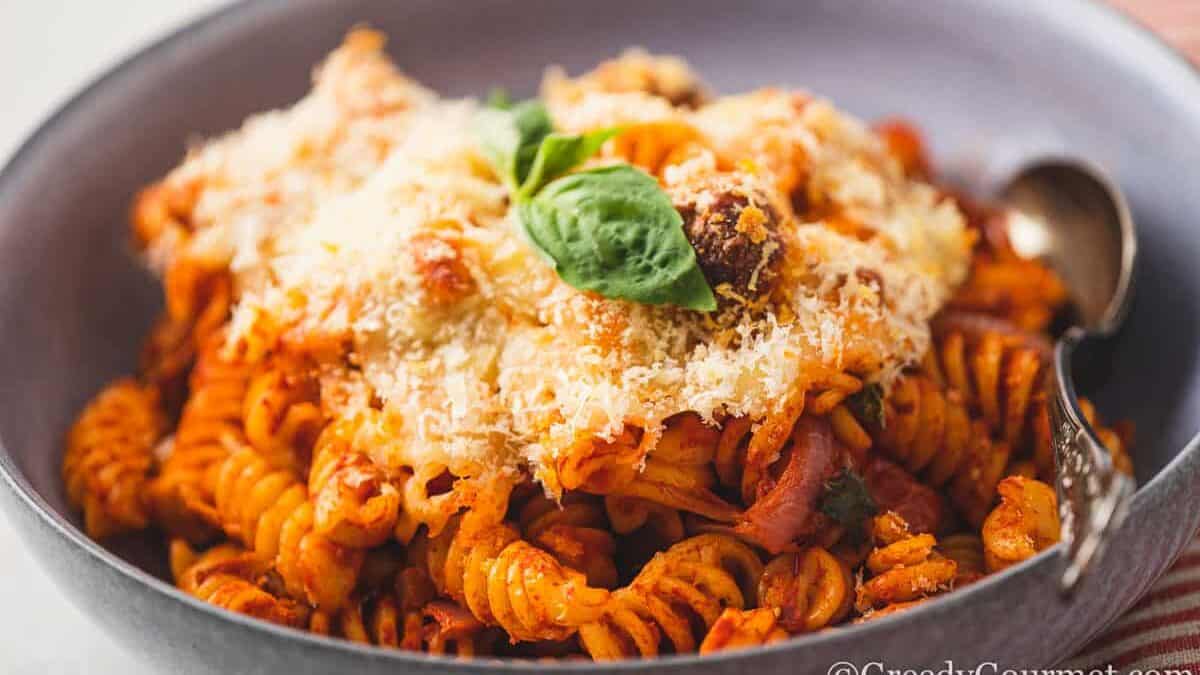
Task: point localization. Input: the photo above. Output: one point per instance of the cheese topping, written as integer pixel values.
(366, 214)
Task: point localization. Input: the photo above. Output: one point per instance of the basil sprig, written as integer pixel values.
(867, 406)
(611, 230)
(558, 154)
(498, 97)
(846, 499)
(510, 136)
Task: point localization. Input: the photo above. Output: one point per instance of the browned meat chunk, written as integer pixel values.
(734, 230)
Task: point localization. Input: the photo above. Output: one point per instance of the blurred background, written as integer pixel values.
(50, 49)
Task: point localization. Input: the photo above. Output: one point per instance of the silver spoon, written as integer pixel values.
(1069, 214)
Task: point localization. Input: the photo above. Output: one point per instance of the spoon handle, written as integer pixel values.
(1093, 497)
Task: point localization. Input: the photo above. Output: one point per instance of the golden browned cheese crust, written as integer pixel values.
(401, 273)
(372, 410)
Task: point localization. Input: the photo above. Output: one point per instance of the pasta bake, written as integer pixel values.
(624, 370)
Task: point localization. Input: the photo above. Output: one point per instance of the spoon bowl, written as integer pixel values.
(1070, 215)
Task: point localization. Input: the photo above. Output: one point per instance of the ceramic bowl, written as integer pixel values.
(992, 82)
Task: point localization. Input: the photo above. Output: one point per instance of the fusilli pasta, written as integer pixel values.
(182, 495)
(269, 511)
(109, 456)
(227, 577)
(484, 564)
(1025, 522)
(903, 568)
(398, 425)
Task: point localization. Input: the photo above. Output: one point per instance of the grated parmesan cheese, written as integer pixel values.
(365, 213)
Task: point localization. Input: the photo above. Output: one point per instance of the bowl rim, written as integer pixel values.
(1144, 49)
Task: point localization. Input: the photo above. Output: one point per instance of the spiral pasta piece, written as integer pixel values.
(504, 581)
(268, 510)
(654, 146)
(430, 497)
(378, 613)
(1025, 522)
(742, 628)
(929, 430)
(198, 293)
(182, 494)
(807, 590)
(373, 619)
(109, 453)
(167, 354)
(282, 415)
(904, 567)
(678, 471)
(630, 514)
(181, 556)
(679, 590)
(355, 505)
(1000, 375)
(575, 531)
(199, 301)
(227, 577)
(849, 431)
(676, 468)
(199, 298)
(966, 550)
(450, 629)
(163, 211)
(1024, 292)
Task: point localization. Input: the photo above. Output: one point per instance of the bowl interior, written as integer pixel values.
(74, 301)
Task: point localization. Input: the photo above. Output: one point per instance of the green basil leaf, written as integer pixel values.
(867, 406)
(509, 138)
(499, 99)
(613, 230)
(847, 501)
(559, 153)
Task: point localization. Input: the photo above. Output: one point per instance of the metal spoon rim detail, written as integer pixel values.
(1122, 297)
(1088, 517)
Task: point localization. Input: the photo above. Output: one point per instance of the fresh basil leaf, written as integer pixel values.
(613, 230)
(499, 99)
(847, 501)
(867, 406)
(559, 153)
(509, 138)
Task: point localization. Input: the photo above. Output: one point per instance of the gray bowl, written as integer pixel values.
(991, 81)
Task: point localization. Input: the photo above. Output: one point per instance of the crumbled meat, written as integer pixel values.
(734, 230)
(894, 489)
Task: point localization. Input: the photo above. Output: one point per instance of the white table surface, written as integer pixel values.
(49, 49)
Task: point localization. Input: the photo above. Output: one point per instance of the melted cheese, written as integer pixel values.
(366, 214)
